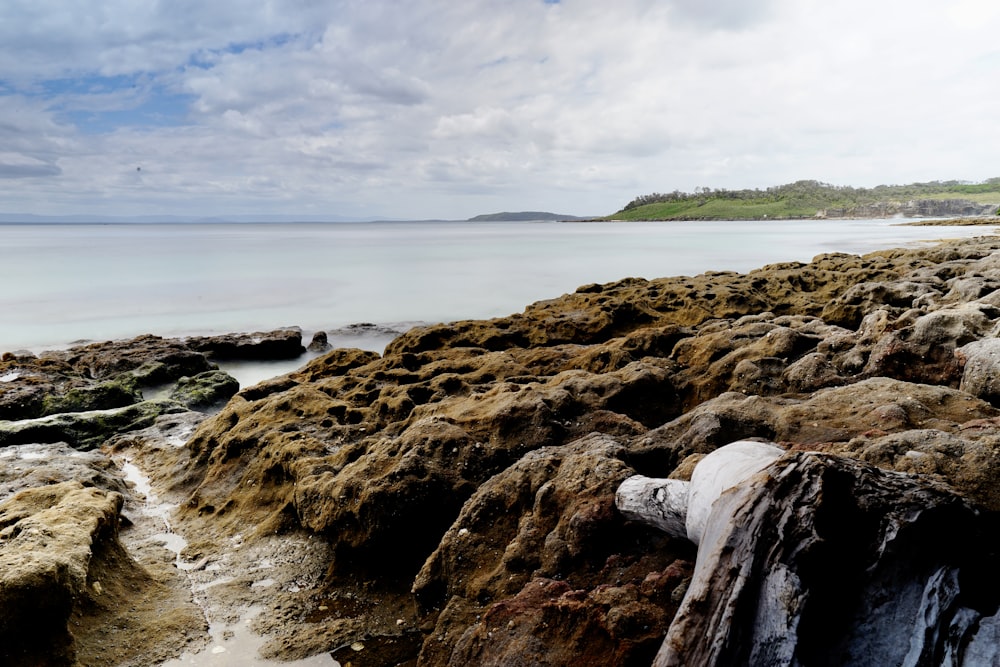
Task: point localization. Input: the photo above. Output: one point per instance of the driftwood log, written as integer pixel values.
(813, 559)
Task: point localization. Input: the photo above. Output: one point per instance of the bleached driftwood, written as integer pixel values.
(682, 508)
(813, 559)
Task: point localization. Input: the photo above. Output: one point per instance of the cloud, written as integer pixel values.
(27, 170)
(727, 14)
(444, 109)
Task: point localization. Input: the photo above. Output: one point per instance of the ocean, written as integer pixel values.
(64, 283)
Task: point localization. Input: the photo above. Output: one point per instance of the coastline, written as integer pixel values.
(927, 222)
(454, 495)
(176, 280)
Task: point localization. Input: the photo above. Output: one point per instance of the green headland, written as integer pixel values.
(813, 199)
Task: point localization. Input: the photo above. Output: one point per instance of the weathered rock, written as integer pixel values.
(99, 376)
(152, 359)
(919, 208)
(458, 491)
(388, 457)
(277, 344)
(835, 414)
(45, 552)
(35, 465)
(69, 592)
(84, 430)
(205, 389)
(980, 361)
(514, 575)
(319, 342)
(31, 385)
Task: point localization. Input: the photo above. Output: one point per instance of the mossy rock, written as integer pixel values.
(85, 430)
(116, 393)
(205, 389)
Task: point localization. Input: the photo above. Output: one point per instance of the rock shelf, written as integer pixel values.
(452, 501)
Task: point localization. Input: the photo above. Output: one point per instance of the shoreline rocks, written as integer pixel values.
(462, 485)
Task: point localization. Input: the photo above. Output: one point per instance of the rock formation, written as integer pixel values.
(816, 559)
(452, 501)
(914, 208)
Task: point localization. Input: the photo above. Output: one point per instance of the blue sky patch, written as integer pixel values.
(102, 104)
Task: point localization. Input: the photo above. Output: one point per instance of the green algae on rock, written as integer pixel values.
(463, 482)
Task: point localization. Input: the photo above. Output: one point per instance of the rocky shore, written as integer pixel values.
(453, 500)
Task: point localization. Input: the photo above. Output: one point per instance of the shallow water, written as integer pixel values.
(236, 645)
(248, 372)
(231, 644)
(62, 283)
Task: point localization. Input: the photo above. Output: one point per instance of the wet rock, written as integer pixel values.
(205, 389)
(98, 376)
(114, 393)
(277, 344)
(319, 342)
(34, 465)
(151, 359)
(69, 592)
(84, 430)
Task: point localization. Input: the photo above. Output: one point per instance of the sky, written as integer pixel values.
(433, 109)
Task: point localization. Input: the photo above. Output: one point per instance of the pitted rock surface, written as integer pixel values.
(464, 481)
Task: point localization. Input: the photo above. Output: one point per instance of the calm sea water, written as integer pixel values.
(63, 283)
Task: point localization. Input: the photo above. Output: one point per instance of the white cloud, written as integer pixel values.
(433, 109)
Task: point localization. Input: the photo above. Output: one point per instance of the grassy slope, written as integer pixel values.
(799, 200)
(717, 209)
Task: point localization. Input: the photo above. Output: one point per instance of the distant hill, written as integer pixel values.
(507, 216)
(812, 199)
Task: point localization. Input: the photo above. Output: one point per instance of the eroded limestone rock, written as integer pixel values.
(69, 592)
(518, 430)
(385, 455)
(277, 344)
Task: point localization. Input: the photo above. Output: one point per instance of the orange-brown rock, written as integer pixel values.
(69, 592)
(463, 482)
(478, 459)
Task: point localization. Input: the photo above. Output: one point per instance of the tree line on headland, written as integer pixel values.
(812, 199)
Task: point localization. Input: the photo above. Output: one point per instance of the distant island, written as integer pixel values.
(812, 199)
(522, 216)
